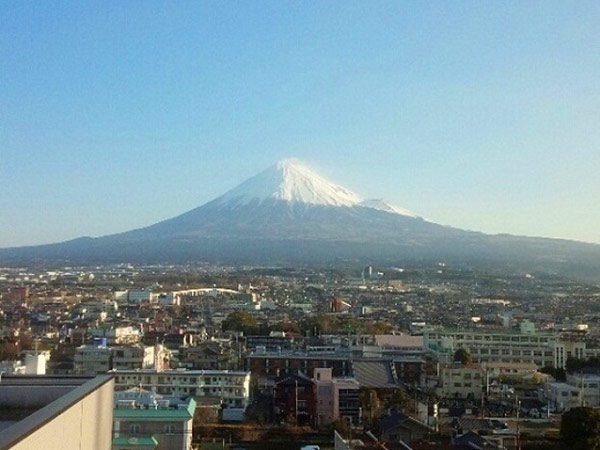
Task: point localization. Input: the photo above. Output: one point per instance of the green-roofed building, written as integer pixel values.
(166, 425)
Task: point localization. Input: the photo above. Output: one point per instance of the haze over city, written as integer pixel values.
(117, 116)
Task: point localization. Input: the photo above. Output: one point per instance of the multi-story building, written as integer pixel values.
(133, 357)
(525, 345)
(461, 381)
(117, 335)
(496, 345)
(163, 424)
(264, 363)
(335, 398)
(90, 359)
(229, 387)
(563, 396)
(589, 385)
(209, 355)
(294, 399)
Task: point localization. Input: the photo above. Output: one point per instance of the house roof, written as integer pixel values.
(374, 374)
(473, 441)
(399, 341)
(391, 421)
(472, 424)
(293, 378)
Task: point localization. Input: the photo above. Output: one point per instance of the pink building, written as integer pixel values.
(336, 398)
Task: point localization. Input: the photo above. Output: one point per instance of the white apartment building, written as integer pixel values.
(230, 387)
(563, 396)
(589, 385)
(460, 381)
(117, 335)
(497, 346)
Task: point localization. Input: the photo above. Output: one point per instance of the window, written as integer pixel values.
(169, 429)
(135, 428)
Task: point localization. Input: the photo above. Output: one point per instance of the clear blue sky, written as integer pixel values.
(482, 115)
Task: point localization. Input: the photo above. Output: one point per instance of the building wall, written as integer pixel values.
(232, 387)
(509, 347)
(180, 438)
(462, 382)
(86, 424)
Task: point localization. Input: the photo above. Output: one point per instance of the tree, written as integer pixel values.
(240, 321)
(574, 364)
(580, 429)
(321, 324)
(378, 327)
(342, 427)
(558, 374)
(462, 356)
(369, 402)
(9, 351)
(396, 400)
(286, 326)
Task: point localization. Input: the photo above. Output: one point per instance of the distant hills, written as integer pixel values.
(289, 214)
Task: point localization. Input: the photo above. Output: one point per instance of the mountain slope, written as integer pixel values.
(288, 213)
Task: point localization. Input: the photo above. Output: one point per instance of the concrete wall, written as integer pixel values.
(81, 419)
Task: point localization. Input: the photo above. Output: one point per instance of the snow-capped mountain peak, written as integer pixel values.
(381, 205)
(291, 181)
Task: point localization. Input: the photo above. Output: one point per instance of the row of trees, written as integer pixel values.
(577, 365)
(310, 326)
(580, 429)
(11, 347)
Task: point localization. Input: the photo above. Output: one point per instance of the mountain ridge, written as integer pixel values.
(289, 213)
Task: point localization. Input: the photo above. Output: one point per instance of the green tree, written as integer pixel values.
(580, 429)
(378, 327)
(240, 321)
(558, 374)
(342, 427)
(396, 400)
(574, 364)
(462, 356)
(320, 324)
(287, 326)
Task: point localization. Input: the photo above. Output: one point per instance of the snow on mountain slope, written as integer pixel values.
(291, 181)
(382, 205)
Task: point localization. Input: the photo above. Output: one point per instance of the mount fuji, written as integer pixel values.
(288, 213)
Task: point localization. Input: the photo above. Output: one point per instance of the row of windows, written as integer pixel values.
(493, 338)
(136, 428)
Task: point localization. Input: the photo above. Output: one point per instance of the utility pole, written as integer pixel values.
(518, 411)
(582, 389)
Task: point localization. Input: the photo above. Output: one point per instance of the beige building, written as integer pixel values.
(461, 381)
(503, 346)
(91, 359)
(56, 413)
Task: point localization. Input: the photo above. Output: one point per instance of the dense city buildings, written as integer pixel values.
(268, 348)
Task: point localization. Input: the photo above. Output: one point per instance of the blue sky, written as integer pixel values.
(480, 115)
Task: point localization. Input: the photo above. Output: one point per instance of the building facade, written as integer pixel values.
(231, 388)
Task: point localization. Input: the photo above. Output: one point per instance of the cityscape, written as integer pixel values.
(299, 226)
